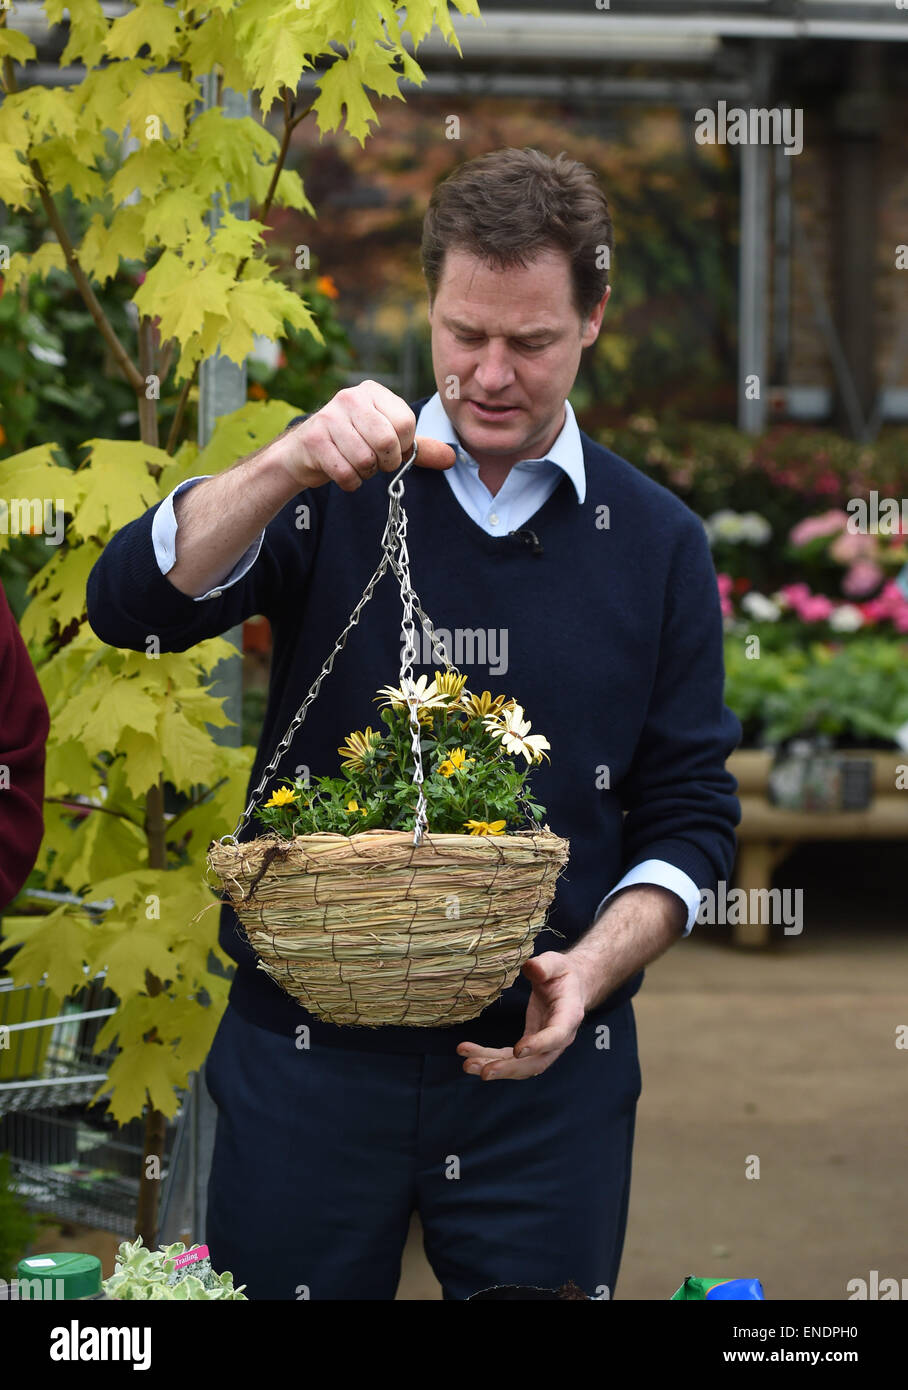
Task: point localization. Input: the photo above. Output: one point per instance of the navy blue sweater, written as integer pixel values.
(614, 650)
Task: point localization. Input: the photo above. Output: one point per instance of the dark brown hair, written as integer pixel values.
(506, 206)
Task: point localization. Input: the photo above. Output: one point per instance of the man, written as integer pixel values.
(328, 1138)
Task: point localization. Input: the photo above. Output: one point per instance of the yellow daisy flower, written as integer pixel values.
(281, 796)
(481, 706)
(447, 683)
(514, 732)
(485, 827)
(458, 758)
(357, 746)
(353, 806)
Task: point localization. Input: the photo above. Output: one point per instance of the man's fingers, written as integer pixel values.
(499, 1063)
(560, 1031)
(498, 1069)
(433, 454)
(345, 456)
(394, 408)
(543, 1041)
(380, 437)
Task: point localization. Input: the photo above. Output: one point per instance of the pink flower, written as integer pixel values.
(890, 603)
(863, 577)
(810, 608)
(794, 595)
(826, 524)
(851, 546)
(815, 609)
(725, 584)
(892, 596)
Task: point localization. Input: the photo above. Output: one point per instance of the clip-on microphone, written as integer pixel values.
(530, 538)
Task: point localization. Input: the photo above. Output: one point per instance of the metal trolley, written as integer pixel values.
(67, 1158)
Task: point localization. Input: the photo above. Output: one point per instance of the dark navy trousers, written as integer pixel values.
(322, 1154)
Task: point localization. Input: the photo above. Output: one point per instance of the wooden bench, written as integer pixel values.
(767, 834)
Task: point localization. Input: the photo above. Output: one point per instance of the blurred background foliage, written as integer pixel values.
(658, 387)
(669, 332)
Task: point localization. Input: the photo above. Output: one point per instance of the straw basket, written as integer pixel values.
(384, 926)
(368, 929)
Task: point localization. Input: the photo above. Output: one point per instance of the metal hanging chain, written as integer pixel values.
(393, 540)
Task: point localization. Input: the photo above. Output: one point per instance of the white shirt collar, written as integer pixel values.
(566, 452)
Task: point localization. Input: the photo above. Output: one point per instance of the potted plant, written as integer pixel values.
(362, 917)
(170, 1272)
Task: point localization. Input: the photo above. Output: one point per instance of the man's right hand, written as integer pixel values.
(362, 429)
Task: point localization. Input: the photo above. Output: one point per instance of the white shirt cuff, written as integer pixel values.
(664, 875)
(164, 534)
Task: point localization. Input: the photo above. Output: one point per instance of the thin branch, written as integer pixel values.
(302, 116)
(90, 806)
(177, 422)
(197, 801)
(290, 124)
(105, 327)
(166, 359)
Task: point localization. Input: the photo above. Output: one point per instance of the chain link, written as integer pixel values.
(393, 541)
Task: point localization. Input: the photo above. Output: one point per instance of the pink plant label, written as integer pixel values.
(180, 1261)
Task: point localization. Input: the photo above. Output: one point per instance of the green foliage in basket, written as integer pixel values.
(855, 690)
(151, 1274)
(471, 782)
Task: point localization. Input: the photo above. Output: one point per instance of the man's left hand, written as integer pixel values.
(555, 1012)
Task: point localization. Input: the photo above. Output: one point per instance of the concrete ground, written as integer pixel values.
(787, 1054)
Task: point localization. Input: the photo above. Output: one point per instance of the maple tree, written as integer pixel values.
(127, 725)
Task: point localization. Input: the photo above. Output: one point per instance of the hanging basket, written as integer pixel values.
(367, 929)
(387, 927)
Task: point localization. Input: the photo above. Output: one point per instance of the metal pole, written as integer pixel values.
(222, 389)
(753, 267)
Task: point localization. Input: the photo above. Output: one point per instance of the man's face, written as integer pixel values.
(510, 338)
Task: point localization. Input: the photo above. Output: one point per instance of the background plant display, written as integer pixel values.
(668, 334)
(827, 602)
(130, 730)
(470, 784)
(855, 693)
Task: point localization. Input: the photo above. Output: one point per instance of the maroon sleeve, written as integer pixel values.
(24, 724)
